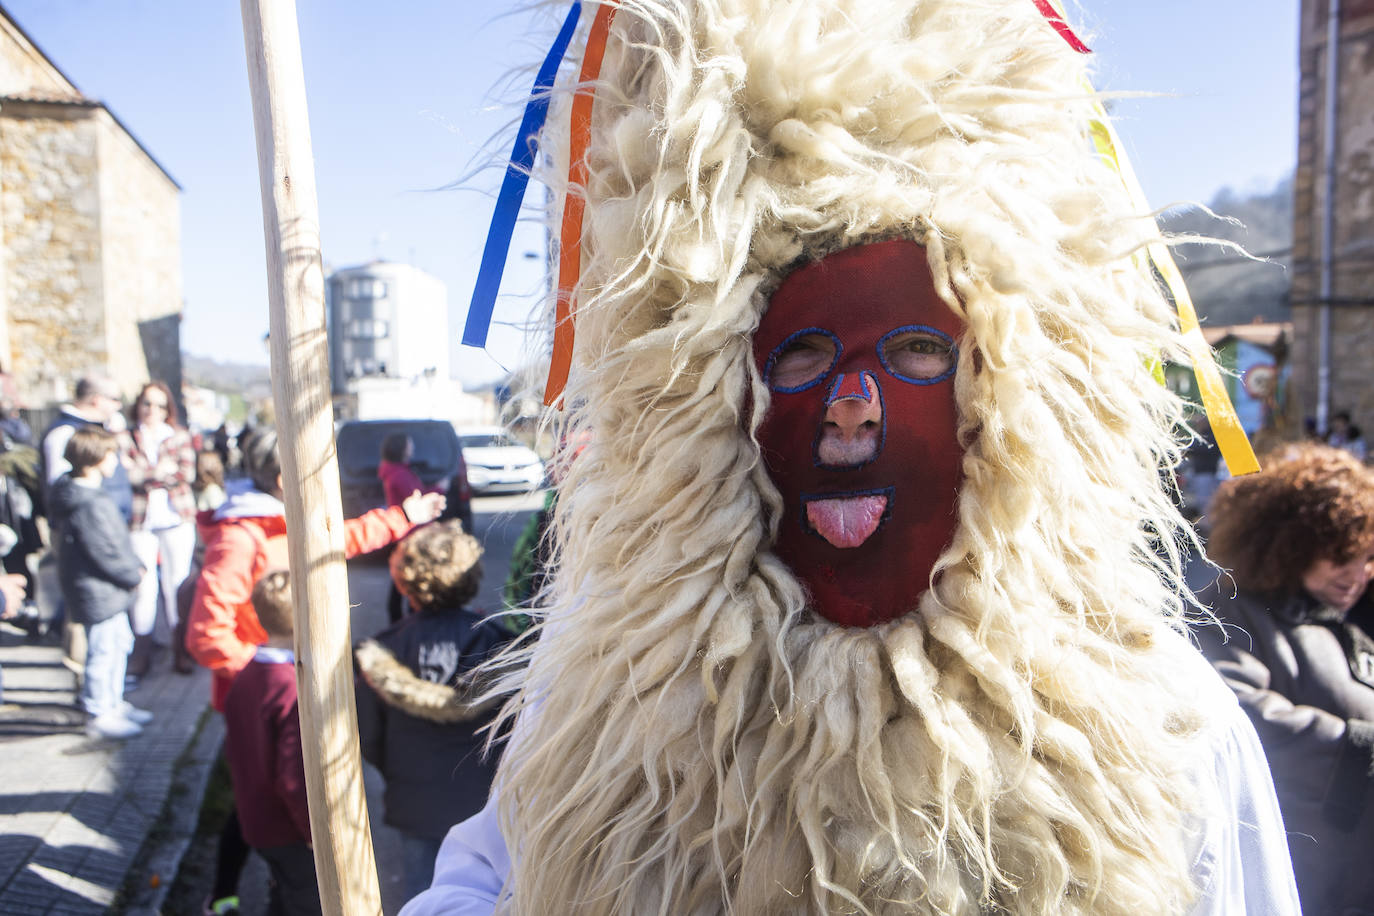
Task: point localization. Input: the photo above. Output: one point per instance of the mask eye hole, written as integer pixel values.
(918, 354)
(802, 360)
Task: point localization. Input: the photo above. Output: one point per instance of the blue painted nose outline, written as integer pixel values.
(853, 391)
(839, 391)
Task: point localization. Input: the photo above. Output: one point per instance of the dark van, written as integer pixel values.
(437, 460)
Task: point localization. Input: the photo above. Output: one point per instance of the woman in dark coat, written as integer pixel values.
(1298, 649)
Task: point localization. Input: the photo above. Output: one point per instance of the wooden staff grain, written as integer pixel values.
(344, 859)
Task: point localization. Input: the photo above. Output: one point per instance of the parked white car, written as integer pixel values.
(497, 463)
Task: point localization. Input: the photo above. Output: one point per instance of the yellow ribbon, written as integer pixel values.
(1230, 435)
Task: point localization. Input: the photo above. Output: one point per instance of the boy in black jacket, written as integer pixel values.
(99, 572)
(418, 721)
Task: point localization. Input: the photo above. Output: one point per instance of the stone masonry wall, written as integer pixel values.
(23, 71)
(1352, 318)
(90, 260)
(140, 216)
(50, 210)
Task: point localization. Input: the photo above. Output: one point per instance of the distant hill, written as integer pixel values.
(1226, 287)
(230, 378)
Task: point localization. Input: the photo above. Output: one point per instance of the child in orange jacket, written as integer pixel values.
(245, 537)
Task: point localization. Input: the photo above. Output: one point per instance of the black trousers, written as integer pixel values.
(295, 891)
(233, 853)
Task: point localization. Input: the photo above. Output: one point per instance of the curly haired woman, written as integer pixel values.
(1298, 539)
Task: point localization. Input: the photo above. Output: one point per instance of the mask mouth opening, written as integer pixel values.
(846, 519)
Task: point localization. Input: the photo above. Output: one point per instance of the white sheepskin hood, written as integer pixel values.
(699, 741)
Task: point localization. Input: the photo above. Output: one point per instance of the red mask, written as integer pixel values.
(859, 353)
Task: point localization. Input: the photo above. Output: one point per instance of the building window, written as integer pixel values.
(366, 288)
(367, 329)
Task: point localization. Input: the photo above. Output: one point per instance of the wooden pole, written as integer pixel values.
(344, 859)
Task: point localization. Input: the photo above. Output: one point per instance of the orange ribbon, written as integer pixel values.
(570, 234)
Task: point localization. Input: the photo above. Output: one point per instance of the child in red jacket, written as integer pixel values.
(263, 747)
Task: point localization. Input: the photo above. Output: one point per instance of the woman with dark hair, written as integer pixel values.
(399, 480)
(161, 461)
(1297, 647)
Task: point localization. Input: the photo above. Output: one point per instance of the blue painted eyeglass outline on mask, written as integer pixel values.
(786, 345)
(919, 329)
(821, 375)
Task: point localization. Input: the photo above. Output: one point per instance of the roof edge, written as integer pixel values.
(41, 53)
(89, 103)
(84, 100)
(139, 143)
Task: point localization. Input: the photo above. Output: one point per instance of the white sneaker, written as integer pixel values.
(134, 714)
(112, 725)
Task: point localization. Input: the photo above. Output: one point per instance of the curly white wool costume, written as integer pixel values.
(693, 738)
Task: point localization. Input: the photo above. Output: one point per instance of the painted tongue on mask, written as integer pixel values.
(846, 521)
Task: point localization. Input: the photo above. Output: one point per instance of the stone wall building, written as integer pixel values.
(1351, 299)
(90, 263)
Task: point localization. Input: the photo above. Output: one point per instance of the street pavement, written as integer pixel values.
(77, 813)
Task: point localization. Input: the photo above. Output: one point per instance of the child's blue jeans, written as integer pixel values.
(108, 644)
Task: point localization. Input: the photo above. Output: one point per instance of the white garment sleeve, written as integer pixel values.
(469, 871)
(54, 445)
(1243, 865)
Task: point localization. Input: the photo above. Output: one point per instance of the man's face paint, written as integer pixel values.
(858, 350)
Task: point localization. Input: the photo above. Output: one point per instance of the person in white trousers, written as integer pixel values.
(161, 461)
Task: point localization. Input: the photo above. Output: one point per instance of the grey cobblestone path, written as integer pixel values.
(74, 810)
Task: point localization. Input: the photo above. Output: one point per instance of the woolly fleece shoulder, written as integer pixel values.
(399, 687)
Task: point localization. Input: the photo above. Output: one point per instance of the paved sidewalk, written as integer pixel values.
(76, 811)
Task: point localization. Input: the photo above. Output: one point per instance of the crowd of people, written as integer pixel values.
(162, 556)
(113, 491)
(157, 550)
(1295, 639)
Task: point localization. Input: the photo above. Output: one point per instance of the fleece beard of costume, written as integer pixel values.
(693, 738)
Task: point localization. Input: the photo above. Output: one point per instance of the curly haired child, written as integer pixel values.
(420, 715)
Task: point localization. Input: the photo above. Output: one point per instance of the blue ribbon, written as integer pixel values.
(513, 188)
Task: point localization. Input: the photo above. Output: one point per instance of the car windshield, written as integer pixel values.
(486, 440)
(360, 448)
